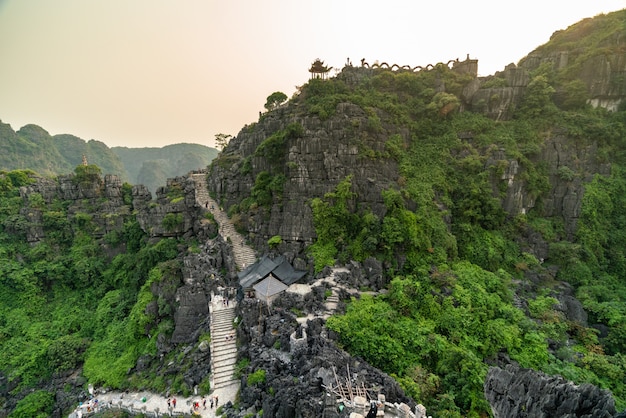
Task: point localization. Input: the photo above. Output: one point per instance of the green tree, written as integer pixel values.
(274, 100)
(87, 173)
(38, 404)
(537, 102)
(221, 140)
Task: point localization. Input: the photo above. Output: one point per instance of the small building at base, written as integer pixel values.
(267, 278)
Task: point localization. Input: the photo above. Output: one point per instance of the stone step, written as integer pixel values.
(225, 328)
(224, 372)
(219, 341)
(219, 365)
(223, 338)
(225, 360)
(218, 384)
(222, 312)
(223, 324)
(223, 320)
(222, 329)
(224, 351)
(221, 317)
(220, 325)
(224, 346)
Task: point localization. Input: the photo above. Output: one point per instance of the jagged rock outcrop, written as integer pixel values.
(570, 165)
(101, 200)
(174, 212)
(200, 274)
(599, 64)
(516, 392)
(299, 371)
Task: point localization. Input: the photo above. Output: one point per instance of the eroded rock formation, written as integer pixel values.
(516, 392)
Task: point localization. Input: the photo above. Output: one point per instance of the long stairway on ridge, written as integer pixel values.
(244, 255)
(223, 344)
(223, 337)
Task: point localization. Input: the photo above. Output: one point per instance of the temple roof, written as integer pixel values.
(319, 67)
(269, 286)
(278, 267)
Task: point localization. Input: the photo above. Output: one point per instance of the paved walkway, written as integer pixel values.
(331, 302)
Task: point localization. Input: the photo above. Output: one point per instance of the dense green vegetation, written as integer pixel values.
(268, 185)
(457, 259)
(63, 302)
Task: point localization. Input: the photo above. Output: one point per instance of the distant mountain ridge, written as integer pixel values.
(32, 147)
(153, 166)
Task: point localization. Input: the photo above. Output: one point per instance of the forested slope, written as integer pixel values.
(34, 148)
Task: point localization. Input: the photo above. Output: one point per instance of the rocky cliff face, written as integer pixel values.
(600, 67)
(102, 200)
(568, 165)
(327, 152)
(313, 164)
(516, 392)
(175, 201)
(102, 206)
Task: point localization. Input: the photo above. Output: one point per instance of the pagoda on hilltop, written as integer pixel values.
(319, 70)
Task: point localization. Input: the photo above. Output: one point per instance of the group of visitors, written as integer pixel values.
(212, 401)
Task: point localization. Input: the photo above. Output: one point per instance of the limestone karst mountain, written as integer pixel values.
(462, 237)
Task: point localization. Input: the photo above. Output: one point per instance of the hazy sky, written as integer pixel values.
(147, 73)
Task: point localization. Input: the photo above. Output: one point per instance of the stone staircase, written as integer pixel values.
(244, 255)
(223, 345)
(332, 301)
(223, 337)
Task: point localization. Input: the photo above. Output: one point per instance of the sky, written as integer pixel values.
(148, 73)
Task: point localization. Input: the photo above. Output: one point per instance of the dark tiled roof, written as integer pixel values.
(278, 267)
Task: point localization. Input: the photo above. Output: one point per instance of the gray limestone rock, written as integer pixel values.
(193, 309)
(516, 392)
